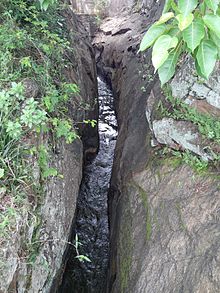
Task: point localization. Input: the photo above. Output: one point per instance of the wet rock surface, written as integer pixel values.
(91, 223)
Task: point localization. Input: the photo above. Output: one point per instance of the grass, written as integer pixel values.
(33, 46)
(207, 125)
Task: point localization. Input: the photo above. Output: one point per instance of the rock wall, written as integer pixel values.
(108, 7)
(83, 6)
(34, 253)
(116, 6)
(164, 217)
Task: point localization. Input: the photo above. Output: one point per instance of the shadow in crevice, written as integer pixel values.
(91, 221)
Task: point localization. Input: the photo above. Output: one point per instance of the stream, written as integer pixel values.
(91, 223)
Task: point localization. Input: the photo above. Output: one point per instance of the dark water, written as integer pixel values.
(91, 223)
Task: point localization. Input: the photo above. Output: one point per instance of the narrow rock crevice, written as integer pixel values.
(154, 208)
(91, 221)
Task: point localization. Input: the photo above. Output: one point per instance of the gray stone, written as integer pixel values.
(31, 88)
(179, 135)
(213, 98)
(199, 90)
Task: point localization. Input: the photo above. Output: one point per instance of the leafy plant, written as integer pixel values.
(46, 3)
(208, 126)
(190, 26)
(92, 122)
(192, 160)
(33, 46)
(79, 256)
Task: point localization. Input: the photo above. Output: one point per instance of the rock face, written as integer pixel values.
(109, 7)
(84, 6)
(164, 217)
(115, 6)
(32, 258)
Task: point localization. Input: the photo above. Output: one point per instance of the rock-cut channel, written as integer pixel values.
(91, 223)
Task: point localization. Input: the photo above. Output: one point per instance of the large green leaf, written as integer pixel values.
(184, 21)
(174, 31)
(212, 4)
(165, 17)
(213, 23)
(158, 59)
(206, 57)
(160, 49)
(187, 6)
(154, 32)
(193, 34)
(199, 70)
(167, 6)
(216, 40)
(165, 42)
(167, 70)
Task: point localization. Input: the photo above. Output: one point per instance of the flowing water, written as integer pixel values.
(91, 225)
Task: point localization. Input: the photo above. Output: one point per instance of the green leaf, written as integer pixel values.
(199, 70)
(167, 70)
(2, 173)
(193, 34)
(158, 59)
(212, 4)
(83, 258)
(174, 32)
(160, 49)
(167, 6)
(213, 23)
(45, 4)
(187, 6)
(216, 40)
(184, 21)
(206, 57)
(50, 172)
(154, 32)
(76, 242)
(175, 7)
(202, 8)
(165, 17)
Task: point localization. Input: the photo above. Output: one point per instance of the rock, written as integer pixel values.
(32, 256)
(202, 106)
(177, 231)
(213, 99)
(116, 7)
(31, 88)
(199, 90)
(186, 83)
(177, 134)
(82, 71)
(164, 218)
(180, 135)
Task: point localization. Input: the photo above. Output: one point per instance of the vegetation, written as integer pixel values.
(144, 199)
(79, 256)
(208, 127)
(33, 105)
(189, 26)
